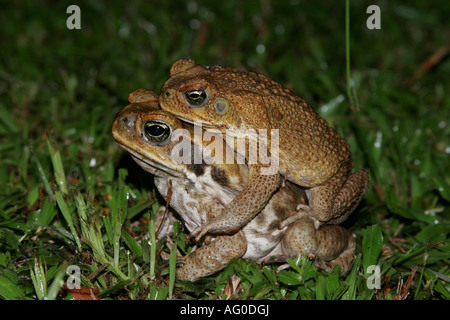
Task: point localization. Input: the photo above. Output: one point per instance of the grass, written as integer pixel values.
(68, 196)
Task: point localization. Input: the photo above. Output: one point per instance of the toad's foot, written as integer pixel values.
(216, 226)
(303, 212)
(344, 260)
(329, 246)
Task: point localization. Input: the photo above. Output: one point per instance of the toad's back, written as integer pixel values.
(310, 152)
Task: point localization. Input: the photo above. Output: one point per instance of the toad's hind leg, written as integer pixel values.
(344, 260)
(333, 201)
(329, 246)
(210, 258)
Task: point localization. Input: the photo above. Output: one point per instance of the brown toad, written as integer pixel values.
(311, 154)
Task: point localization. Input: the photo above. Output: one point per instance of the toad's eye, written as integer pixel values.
(157, 132)
(196, 98)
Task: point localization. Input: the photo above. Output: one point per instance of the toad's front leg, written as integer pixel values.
(247, 204)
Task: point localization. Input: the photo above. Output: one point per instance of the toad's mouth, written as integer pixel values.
(202, 124)
(151, 166)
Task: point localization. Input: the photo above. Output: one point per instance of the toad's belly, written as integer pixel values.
(262, 233)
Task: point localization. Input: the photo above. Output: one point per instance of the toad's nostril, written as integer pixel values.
(127, 121)
(167, 93)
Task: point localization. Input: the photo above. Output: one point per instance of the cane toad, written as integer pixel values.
(201, 191)
(310, 153)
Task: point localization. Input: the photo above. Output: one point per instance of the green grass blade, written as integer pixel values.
(42, 175)
(371, 246)
(39, 279)
(173, 259)
(116, 238)
(347, 47)
(9, 289)
(8, 119)
(132, 243)
(352, 280)
(67, 216)
(58, 167)
(57, 282)
(152, 240)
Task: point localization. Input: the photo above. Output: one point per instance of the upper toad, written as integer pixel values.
(310, 154)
